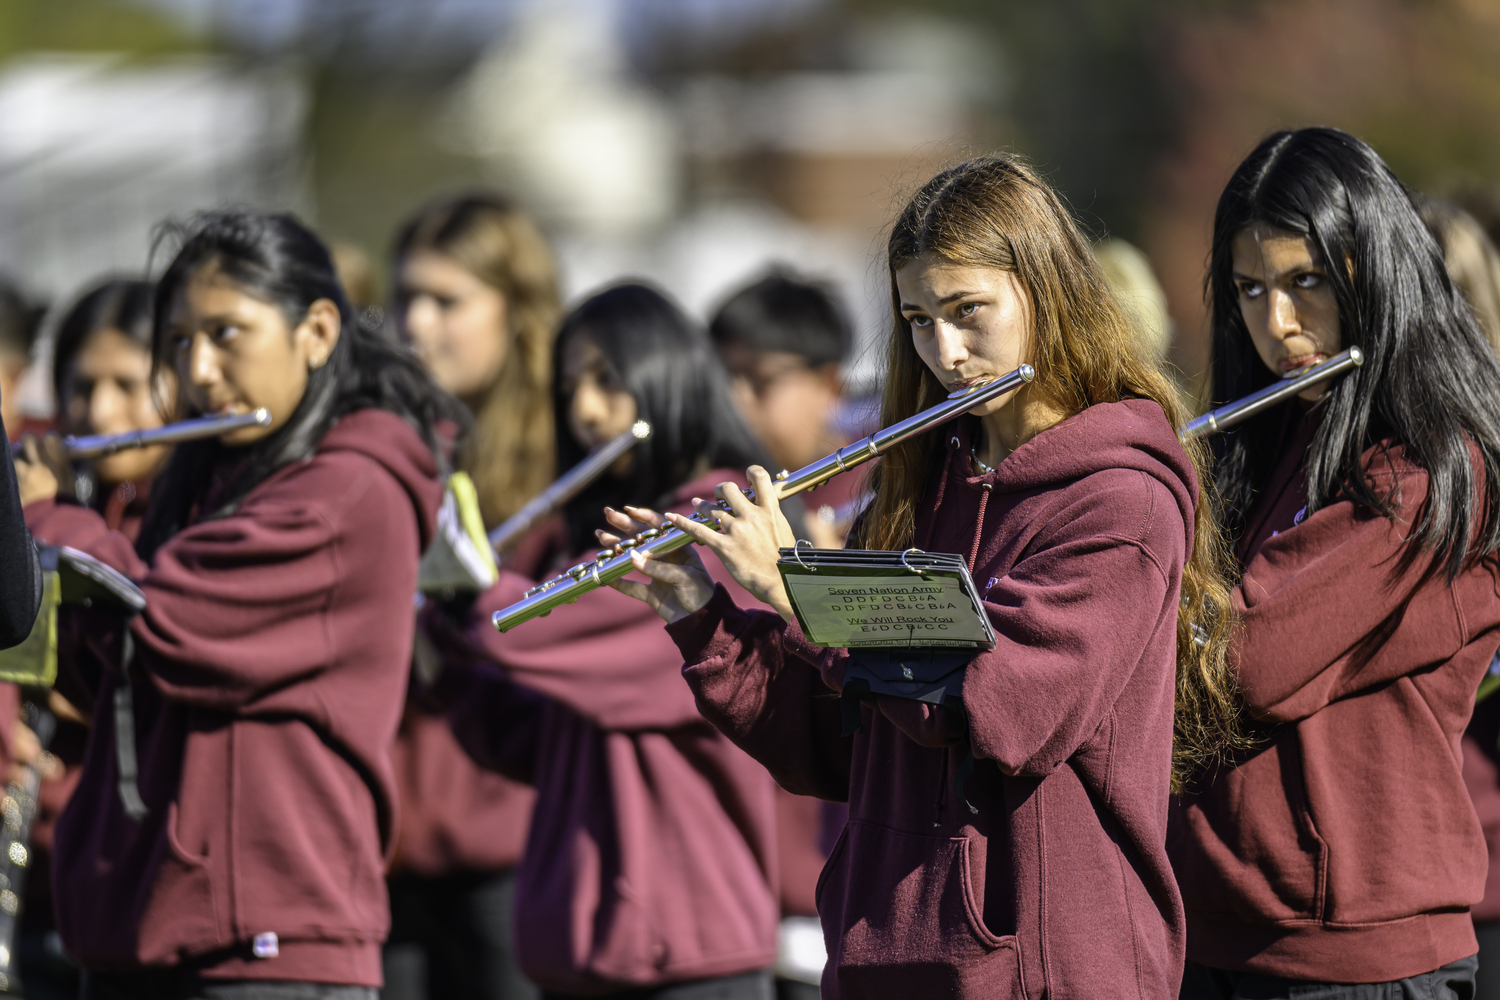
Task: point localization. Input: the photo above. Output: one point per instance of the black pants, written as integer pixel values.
(451, 939)
(791, 989)
(746, 986)
(176, 985)
(1487, 983)
(1454, 981)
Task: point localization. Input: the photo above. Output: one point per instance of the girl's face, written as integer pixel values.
(456, 323)
(969, 324)
(235, 353)
(1286, 300)
(107, 390)
(599, 407)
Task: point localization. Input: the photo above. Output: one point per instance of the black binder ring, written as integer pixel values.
(909, 567)
(797, 554)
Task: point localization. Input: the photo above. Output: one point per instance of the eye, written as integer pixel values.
(919, 321)
(968, 309)
(1308, 279)
(1251, 289)
(226, 333)
(182, 344)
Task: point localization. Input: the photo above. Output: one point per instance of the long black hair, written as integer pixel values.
(667, 363)
(277, 259)
(1430, 382)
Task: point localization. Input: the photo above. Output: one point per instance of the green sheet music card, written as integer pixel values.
(874, 598)
(68, 577)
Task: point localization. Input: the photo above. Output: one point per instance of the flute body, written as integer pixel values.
(612, 563)
(1221, 419)
(100, 445)
(567, 486)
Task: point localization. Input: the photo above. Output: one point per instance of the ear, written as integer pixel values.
(318, 333)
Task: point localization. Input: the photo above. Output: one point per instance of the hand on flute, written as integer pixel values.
(42, 468)
(749, 535)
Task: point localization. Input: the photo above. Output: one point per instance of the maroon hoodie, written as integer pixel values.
(269, 676)
(652, 854)
(456, 816)
(1048, 875)
(1344, 847)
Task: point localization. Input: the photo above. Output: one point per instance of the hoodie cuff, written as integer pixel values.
(796, 644)
(710, 630)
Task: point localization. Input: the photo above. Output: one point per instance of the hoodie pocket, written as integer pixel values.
(181, 914)
(902, 919)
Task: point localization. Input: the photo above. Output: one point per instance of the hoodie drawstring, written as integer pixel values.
(984, 502)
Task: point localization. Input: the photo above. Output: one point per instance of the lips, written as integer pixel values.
(1291, 366)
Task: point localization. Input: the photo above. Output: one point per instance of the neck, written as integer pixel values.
(1011, 426)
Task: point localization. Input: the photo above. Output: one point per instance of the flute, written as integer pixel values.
(567, 486)
(1226, 416)
(100, 445)
(612, 563)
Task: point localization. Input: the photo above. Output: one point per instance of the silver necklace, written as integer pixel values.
(973, 454)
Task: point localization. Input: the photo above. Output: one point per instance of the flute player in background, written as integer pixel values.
(1474, 264)
(650, 871)
(476, 298)
(784, 340)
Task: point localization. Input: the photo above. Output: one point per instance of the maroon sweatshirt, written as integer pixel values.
(1344, 847)
(268, 680)
(652, 854)
(1049, 875)
(455, 815)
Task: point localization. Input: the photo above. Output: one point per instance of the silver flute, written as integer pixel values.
(100, 445)
(1226, 416)
(567, 486)
(612, 563)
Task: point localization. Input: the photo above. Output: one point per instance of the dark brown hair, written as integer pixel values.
(995, 212)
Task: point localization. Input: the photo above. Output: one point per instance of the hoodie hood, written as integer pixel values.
(400, 450)
(1130, 435)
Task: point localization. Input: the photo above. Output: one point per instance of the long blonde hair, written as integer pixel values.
(509, 453)
(995, 212)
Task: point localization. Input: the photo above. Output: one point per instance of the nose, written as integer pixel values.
(202, 363)
(1281, 315)
(587, 409)
(104, 408)
(952, 345)
(421, 321)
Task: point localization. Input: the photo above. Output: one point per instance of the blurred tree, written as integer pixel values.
(1419, 82)
(1138, 110)
(88, 26)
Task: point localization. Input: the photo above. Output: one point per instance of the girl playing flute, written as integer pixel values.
(1344, 849)
(1044, 871)
(230, 832)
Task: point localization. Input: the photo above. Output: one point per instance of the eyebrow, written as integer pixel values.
(953, 297)
(1310, 269)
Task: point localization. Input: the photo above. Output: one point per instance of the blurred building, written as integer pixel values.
(97, 149)
(700, 179)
